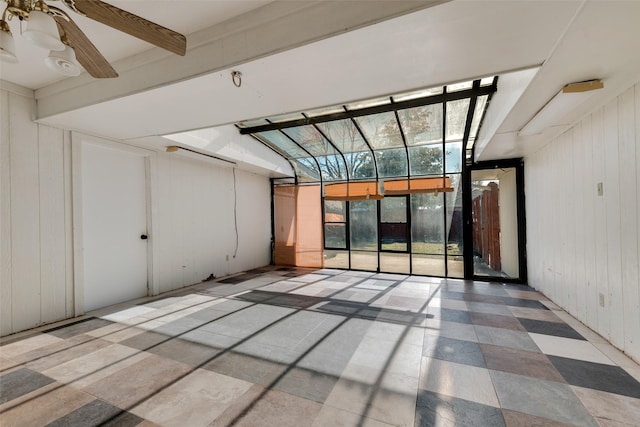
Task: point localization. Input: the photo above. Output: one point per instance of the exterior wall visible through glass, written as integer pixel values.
(390, 172)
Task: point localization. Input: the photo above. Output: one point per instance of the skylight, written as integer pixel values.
(420, 133)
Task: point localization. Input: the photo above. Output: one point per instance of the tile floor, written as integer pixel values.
(295, 347)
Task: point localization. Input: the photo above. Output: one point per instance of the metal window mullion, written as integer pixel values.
(467, 127)
(444, 193)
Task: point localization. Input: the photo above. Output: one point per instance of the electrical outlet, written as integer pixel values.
(600, 188)
(601, 300)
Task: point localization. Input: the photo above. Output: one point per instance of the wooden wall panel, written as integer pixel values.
(613, 207)
(52, 224)
(584, 248)
(635, 344)
(25, 214)
(6, 298)
(590, 181)
(628, 218)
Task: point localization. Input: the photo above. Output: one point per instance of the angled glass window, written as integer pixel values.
(306, 169)
(311, 140)
(281, 143)
(456, 118)
(415, 133)
(422, 125)
(481, 102)
(344, 135)
(381, 130)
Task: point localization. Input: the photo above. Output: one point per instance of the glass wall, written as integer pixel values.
(390, 169)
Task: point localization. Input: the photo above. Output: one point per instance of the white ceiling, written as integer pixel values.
(568, 40)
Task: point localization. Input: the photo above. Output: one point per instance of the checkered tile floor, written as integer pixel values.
(295, 347)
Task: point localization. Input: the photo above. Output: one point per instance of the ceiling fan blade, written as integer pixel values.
(86, 53)
(132, 25)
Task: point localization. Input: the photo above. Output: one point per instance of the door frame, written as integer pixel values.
(151, 179)
(518, 165)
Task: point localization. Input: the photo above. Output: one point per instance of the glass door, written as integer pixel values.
(497, 230)
(394, 234)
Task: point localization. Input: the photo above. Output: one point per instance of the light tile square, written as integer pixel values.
(570, 348)
(457, 380)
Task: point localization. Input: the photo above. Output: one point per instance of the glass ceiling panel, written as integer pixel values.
(459, 86)
(422, 125)
(456, 118)
(250, 123)
(344, 135)
(422, 93)
(286, 117)
(486, 81)
(282, 144)
(326, 110)
(306, 169)
(311, 140)
(392, 162)
(381, 130)
(368, 103)
(350, 148)
(477, 115)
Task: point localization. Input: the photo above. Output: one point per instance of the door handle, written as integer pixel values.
(144, 236)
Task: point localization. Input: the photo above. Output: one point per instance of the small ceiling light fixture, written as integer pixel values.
(51, 28)
(42, 30)
(63, 61)
(556, 110)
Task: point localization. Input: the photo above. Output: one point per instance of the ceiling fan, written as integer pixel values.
(51, 27)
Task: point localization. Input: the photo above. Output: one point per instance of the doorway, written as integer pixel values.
(114, 225)
(497, 222)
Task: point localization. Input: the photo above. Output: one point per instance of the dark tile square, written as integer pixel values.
(434, 409)
(282, 299)
(453, 350)
(76, 328)
(521, 302)
(597, 376)
(449, 315)
(307, 384)
(20, 382)
(145, 340)
(232, 280)
(518, 419)
(245, 367)
(190, 353)
(97, 413)
(475, 297)
(496, 321)
(550, 328)
(520, 362)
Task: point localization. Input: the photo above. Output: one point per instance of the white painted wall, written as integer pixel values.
(35, 217)
(583, 247)
(192, 218)
(196, 225)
